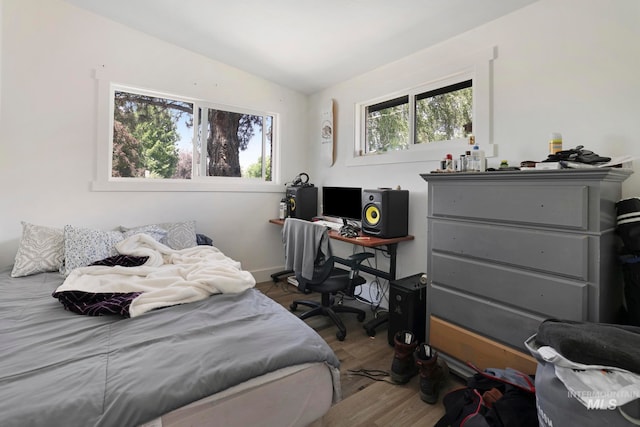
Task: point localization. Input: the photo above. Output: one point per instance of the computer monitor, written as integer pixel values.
(342, 202)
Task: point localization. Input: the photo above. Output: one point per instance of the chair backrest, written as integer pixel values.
(307, 251)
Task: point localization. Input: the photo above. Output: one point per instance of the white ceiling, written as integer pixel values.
(306, 45)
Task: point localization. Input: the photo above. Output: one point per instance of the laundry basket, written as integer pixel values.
(570, 393)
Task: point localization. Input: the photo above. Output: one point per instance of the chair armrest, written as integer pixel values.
(359, 257)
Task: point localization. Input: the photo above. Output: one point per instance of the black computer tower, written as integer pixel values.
(302, 202)
(408, 307)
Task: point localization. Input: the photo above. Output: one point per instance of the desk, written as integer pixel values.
(388, 246)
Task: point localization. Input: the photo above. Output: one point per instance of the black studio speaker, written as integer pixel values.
(302, 201)
(408, 306)
(385, 212)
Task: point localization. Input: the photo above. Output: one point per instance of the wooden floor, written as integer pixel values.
(365, 402)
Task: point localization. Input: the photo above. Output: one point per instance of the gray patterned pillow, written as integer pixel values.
(41, 249)
(83, 246)
(179, 235)
(152, 230)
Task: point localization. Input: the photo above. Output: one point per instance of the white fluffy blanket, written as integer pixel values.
(167, 278)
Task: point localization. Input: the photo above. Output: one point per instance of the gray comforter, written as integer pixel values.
(61, 368)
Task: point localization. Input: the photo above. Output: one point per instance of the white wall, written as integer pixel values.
(568, 66)
(48, 137)
(563, 65)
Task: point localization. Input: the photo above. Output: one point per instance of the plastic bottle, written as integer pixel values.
(282, 214)
(472, 166)
(555, 143)
(478, 159)
(449, 163)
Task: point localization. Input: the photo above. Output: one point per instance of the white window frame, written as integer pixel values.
(105, 182)
(476, 67)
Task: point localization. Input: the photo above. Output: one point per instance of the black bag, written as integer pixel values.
(492, 398)
(578, 155)
(628, 223)
(628, 228)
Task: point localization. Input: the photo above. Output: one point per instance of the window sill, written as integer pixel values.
(432, 152)
(229, 185)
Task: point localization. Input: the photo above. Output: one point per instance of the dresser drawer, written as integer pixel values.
(502, 323)
(564, 254)
(562, 206)
(534, 292)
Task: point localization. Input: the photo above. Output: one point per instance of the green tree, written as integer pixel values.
(254, 170)
(152, 121)
(145, 133)
(388, 129)
(127, 160)
(156, 130)
(438, 117)
(443, 117)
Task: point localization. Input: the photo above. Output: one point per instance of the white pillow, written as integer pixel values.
(84, 246)
(41, 249)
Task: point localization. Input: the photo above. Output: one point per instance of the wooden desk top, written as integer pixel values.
(361, 240)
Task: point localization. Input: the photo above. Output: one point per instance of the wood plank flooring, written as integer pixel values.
(365, 402)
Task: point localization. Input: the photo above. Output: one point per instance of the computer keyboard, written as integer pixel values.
(332, 225)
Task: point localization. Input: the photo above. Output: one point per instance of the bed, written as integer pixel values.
(232, 358)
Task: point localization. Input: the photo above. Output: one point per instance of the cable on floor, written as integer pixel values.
(373, 374)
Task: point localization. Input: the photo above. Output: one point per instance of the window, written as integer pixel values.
(440, 114)
(432, 118)
(151, 136)
(160, 137)
(444, 114)
(235, 144)
(387, 125)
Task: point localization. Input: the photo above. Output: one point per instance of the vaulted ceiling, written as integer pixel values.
(303, 44)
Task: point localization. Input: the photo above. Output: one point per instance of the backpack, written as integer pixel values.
(492, 398)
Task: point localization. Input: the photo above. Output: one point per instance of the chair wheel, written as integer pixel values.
(293, 306)
(361, 317)
(371, 332)
(341, 335)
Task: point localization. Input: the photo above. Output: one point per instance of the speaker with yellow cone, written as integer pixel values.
(385, 212)
(302, 201)
(372, 214)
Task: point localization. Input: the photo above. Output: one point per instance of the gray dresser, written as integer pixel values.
(509, 249)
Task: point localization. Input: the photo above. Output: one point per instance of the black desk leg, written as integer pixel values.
(371, 325)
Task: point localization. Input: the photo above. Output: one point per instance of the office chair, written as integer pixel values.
(306, 242)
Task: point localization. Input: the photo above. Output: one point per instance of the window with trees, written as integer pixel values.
(429, 115)
(155, 136)
(441, 114)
